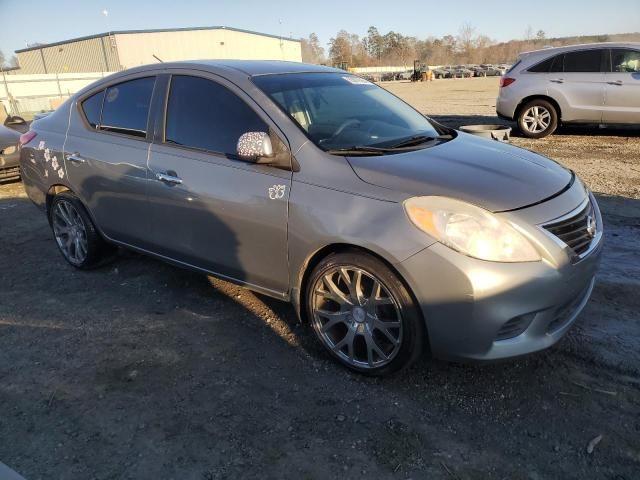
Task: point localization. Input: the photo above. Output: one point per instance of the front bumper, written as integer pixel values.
(479, 310)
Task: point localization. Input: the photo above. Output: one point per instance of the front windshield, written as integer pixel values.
(340, 111)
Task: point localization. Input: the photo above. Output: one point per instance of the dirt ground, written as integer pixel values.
(141, 370)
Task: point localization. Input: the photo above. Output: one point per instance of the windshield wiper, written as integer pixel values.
(360, 150)
(417, 140)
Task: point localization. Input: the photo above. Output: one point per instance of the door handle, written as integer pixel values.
(617, 82)
(557, 80)
(163, 177)
(75, 158)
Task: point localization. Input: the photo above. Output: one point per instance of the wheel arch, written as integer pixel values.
(546, 98)
(59, 188)
(54, 190)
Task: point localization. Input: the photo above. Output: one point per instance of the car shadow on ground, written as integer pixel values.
(144, 370)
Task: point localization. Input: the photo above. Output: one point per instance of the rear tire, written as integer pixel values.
(363, 314)
(75, 234)
(537, 119)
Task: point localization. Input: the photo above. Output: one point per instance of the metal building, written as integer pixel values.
(114, 51)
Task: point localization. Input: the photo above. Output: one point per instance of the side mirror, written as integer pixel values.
(255, 147)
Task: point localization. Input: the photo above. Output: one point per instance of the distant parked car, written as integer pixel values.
(489, 71)
(9, 154)
(594, 83)
(407, 75)
(442, 72)
(461, 71)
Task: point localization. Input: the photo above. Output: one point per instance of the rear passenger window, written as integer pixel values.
(126, 107)
(625, 61)
(583, 61)
(205, 115)
(552, 64)
(92, 107)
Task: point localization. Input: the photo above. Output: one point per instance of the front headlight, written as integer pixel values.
(470, 229)
(9, 150)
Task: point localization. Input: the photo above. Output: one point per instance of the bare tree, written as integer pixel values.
(466, 42)
(374, 43)
(528, 33)
(312, 52)
(340, 48)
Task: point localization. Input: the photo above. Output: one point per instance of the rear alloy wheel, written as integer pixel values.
(74, 232)
(537, 119)
(363, 314)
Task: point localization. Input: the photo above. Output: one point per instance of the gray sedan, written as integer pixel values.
(390, 234)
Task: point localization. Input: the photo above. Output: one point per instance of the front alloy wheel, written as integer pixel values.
(363, 315)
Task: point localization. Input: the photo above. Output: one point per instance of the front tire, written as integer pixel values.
(537, 119)
(75, 234)
(363, 314)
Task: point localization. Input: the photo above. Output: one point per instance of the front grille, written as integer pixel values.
(576, 232)
(11, 172)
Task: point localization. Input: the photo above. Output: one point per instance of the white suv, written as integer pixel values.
(594, 83)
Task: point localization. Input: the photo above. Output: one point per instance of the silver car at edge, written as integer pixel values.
(389, 233)
(595, 83)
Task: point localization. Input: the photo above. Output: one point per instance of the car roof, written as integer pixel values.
(581, 46)
(246, 67)
(231, 69)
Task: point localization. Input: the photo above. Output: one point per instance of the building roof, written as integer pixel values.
(155, 30)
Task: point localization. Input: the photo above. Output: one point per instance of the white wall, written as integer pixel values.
(36, 92)
(138, 48)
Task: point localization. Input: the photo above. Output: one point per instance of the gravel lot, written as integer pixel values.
(141, 370)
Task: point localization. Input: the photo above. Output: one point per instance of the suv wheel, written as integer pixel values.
(363, 314)
(537, 119)
(76, 236)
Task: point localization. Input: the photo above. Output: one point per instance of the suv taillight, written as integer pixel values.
(506, 81)
(27, 137)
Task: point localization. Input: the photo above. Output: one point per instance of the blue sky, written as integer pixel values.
(29, 21)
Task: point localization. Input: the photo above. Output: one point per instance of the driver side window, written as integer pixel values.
(205, 115)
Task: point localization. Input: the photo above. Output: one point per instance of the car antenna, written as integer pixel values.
(157, 58)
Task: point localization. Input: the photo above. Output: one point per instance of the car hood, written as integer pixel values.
(486, 173)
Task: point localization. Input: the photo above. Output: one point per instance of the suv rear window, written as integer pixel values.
(512, 66)
(551, 64)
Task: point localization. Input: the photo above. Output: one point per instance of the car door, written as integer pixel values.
(207, 208)
(622, 87)
(580, 85)
(106, 152)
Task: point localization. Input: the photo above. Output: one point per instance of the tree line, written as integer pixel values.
(467, 47)
(8, 63)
